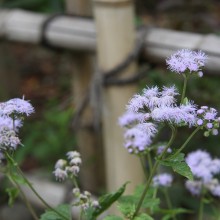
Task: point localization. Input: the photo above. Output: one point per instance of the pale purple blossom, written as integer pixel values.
(202, 165)
(76, 161)
(60, 174)
(132, 118)
(10, 123)
(164, 179)
(73, 169)
(207, 118)
(60, 164)
(161, 148)
(186, 60)
(185, 114)
(136, 140)
(194, 186)
(72, 154)
(15, 107)
(8, 139)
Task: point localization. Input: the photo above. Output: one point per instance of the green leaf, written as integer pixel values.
(13, 194)
(127, 204)
(169, 213)
(143, 216)
(178, 164)
(112, 217)
(105, 202)
(63, 209)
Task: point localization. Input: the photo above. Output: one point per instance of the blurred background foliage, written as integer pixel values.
(46, 6)
(44, 75)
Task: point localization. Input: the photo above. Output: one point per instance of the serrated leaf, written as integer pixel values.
(178, 164)
(183, 169)
(112, 217)
(143, 216)
(63, 209)
(13, 194)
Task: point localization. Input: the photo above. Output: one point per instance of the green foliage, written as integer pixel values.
(50, 137)
(63, 209)
(127, 204)
(178, 164)
(169, 213)
(48, 6)
(112, 217)
(105, 202)
(143, 216)
(12, 194)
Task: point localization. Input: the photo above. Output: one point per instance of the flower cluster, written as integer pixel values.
(207, 118)
(163, 180)
(11, 115)
(204, 169)
(186, 60)
(146, 110)
(84, 200)
(68, 168)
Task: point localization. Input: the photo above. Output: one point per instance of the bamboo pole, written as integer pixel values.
(80, 34)
(88, 139)
(115, 40)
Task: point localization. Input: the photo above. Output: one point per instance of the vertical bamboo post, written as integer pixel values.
(116, 37)
(88, 140)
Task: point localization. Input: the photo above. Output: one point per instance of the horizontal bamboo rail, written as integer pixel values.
(76, 33)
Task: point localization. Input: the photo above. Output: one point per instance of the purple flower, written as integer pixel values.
(72, 154)
(160, 149)
(163, 179)
(60, 174)
(10, 123)
(16, 106)
(136, 140)
(186, 60)
(195, 187)
(185, 114)
(131, 118)
(202, 165)
(8, 139)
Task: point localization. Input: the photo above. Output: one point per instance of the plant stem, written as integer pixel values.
(32, 188)
(150, 161)
(142, 160)
(156, 164)
(184, 87)
(27, 203)
(201, 206)
(168, 201)
(187, 141)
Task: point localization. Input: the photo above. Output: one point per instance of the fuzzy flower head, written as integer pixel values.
(8, 139)
(164, 180)
(136, 140)
(10, 123)
(15, 108)
(202, 165)
(68, 168)
(186, 60)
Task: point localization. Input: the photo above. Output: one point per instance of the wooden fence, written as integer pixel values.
(75, 33)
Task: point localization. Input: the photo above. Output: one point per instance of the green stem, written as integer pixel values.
(168, 201)
(32, 188)
(149, 159)
(154, 168)
(201, 206)
(27, 203)
(184, 87)
(187, 141)
(142, 160)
